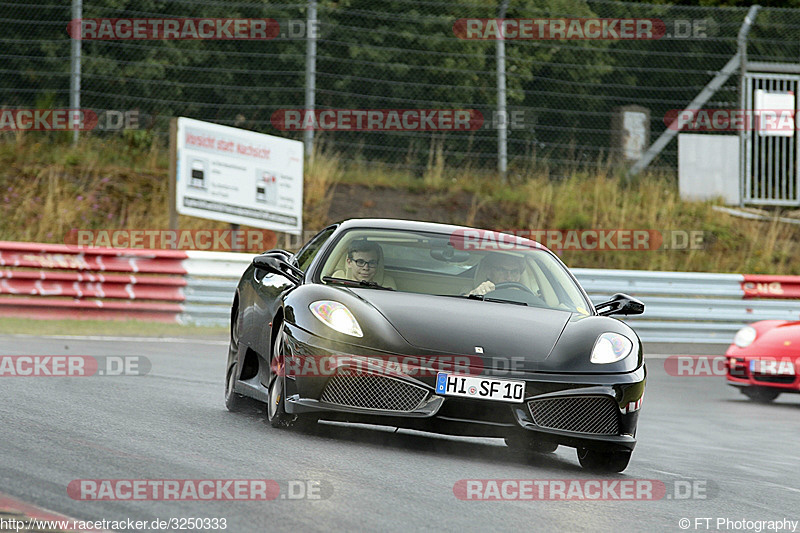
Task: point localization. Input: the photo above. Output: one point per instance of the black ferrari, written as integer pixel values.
(438, 328)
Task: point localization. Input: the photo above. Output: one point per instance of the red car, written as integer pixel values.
(764, 359)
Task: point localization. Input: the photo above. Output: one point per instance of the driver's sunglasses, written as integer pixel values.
(360, 263)
(508, 271)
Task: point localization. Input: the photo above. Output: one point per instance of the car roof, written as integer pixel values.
(416, 225)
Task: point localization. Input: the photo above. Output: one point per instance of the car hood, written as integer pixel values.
(468, 327)
(783, 336)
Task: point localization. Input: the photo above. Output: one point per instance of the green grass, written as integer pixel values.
(126, 328)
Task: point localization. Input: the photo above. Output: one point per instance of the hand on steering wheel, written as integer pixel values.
(483, 288)
(513, 285)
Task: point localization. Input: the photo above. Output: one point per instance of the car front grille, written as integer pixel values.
(770, 378)
(598, 415)
(373, 391)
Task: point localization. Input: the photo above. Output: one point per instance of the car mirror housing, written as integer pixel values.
(278, 262)
(620, 304)
(449, 254)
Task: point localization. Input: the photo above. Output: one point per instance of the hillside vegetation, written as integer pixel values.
(48, 187)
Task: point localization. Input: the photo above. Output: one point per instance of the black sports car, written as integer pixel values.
(438, 328)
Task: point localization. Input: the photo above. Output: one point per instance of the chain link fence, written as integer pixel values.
(398, 54)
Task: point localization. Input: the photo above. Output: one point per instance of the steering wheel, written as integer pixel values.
(512, 285)
(534, 299)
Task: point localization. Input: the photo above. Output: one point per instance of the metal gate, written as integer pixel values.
(770, 153)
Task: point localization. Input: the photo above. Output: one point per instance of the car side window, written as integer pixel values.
(306, 255)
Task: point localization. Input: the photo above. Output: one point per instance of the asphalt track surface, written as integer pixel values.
(172, 424)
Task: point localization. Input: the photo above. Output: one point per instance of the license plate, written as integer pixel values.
(480, 388)
(772, 367)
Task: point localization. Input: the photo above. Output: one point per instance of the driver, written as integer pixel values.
(499, 268)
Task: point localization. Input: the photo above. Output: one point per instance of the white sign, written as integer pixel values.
(239, 176)
(708, 167)
(774, 113)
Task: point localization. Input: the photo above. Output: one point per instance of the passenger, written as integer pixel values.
(365, 263)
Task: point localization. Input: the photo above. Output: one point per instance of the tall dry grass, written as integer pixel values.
(602, 201)
(434, 175)
(321, 174)
(48, 187)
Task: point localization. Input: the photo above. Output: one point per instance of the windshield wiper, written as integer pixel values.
(470, 296)
(502, 301)
(356, 283)
(485, 299)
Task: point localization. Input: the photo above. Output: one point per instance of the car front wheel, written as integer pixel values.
(233, 401)
(761, 394)
(276, 410)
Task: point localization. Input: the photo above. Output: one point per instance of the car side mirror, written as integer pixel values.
(277, 262)
(620, 304)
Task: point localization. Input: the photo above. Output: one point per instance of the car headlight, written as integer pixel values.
(610, 348)
(336, 316)
(745, 337)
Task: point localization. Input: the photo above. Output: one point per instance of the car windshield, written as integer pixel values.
(446, 265)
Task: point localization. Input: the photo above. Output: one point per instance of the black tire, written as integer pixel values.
(276, 409)
(761, 394)
(524, 444)
(233, 401)
(603, 461)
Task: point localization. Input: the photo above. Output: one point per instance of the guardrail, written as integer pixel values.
(693, 307)
(60, 281)
(210, 286)
(196, 287)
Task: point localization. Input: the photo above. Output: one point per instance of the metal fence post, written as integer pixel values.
(75, 70)
(741, 43)
(502, 125)
(311, 73)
